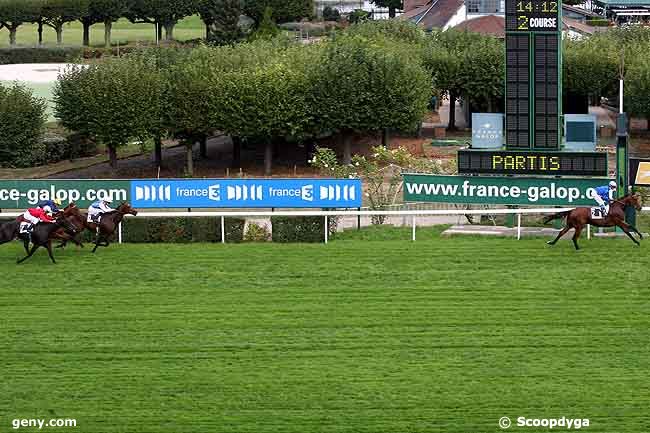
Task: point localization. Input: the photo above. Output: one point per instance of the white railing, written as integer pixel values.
(329, 213)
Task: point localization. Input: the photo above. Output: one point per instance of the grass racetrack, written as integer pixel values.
(440, 335)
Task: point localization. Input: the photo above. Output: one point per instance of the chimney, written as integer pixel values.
(409, 5)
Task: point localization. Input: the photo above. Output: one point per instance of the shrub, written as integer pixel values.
(22, 120)
(300, 229)
(358, 15)
(181, 230)
(331, 14)
(257, 233)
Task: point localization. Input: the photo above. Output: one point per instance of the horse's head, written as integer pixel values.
(72, 210)
(635, 200)
(126, 208)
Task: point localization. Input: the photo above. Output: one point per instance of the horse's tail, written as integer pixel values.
(556, 216)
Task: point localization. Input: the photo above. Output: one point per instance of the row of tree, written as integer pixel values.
(267, 92)
(218, 15)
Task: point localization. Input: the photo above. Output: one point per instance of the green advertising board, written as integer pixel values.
(530, 191)
(23, 194)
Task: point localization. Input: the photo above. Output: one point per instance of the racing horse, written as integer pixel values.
(76, 218)
(579, 217)
(9, 232)
(42, 234)
(109, 223)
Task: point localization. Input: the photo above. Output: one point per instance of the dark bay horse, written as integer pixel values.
(9, 231)
(42, 234)
(579, 217)
(76, 218)
(109, 223)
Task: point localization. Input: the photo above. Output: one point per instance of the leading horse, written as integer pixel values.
(579, 217)
(108, 223)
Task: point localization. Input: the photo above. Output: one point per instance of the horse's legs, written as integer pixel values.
(576, 236)
(97, 242)
(31, 253)
(26, 244)
(49, 251)
(559, 235)
(636, 230)
(626, 228)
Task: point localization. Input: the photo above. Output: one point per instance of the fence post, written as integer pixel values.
(119, 233)
(359, 221)
(588, 231)
(223, 229)
(326, 229)
(518, 226)
(413, 230)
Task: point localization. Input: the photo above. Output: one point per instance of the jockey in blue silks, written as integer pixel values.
(604, 195)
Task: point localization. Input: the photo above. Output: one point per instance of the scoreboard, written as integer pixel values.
(533, 71)
(533, 16)
(532, 163)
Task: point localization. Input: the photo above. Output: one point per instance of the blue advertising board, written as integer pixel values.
(246, 193)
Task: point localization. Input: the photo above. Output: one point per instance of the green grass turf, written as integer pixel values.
(440, 335)
(123, 31)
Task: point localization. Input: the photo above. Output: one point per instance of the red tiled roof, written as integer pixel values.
(491, 25)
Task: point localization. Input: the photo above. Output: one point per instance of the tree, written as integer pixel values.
(56, 13)
(265, 97)
(483, 74)
(14, 13)
(22, 117)
(283, 10)
(267, 28)
(221, 18)
(392, 6)
(114, 102)
(591, 66)
(637, 84)
(165, 13)
(102, 11)
(399, 30)
(368, 86)
(445, 55)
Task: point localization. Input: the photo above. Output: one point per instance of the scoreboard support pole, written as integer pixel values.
(622, 164)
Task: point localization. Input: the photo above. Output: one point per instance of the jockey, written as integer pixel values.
(53, 204)
(99, 208)
(33, 216)
(605, 194)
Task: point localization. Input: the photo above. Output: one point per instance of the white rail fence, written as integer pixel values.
(335, 213)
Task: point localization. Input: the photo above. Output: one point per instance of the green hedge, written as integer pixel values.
(179, 230)
(39, 55)
(301, 229)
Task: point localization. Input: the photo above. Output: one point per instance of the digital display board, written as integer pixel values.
(532, 163)
(517, 90)
(533, 67)
(533, 16)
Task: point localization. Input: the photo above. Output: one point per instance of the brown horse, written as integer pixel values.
(108, 223)
(43, 233)
(579, 217)
(76, 218)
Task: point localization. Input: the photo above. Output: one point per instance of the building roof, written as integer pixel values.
(434, 14)
(580, 27)
(611, 3)
(580, 11)
(491, 25)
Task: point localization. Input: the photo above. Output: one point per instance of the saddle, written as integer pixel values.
(597, 212)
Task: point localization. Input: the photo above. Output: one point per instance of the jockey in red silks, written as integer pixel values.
(33, 216)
